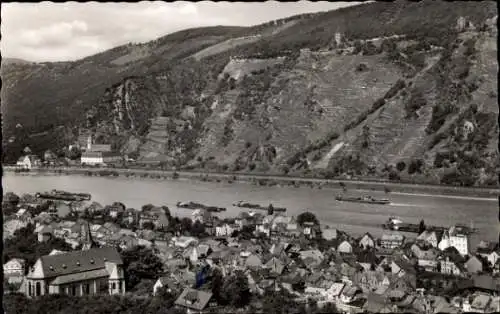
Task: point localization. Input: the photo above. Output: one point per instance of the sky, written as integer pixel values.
(47, 31)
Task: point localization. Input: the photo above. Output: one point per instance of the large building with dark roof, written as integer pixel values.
(78, 273)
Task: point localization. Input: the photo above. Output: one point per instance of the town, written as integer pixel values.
(254, 262)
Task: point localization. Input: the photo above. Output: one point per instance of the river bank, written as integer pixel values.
(265, 180)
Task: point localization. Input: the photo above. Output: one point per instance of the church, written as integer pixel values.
(91, 271)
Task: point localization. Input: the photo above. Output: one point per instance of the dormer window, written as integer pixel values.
(63, 265)
(105, 259)
(92, 261)
(51, 267)
(77, 263)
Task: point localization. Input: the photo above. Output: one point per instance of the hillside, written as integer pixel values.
(401, 90)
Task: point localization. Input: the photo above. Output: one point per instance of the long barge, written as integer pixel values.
(194, 205)
(243, 204)
(364, 200)
(64, 196)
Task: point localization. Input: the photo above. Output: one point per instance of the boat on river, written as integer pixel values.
(396, 224)
(364, 199)
(244, 204)
(194, 205)
(64, 196)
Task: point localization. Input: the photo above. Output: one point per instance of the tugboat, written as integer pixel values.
(364, 199)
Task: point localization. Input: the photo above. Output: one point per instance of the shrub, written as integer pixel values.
(415, 166)
(361, 67)
(401, 166)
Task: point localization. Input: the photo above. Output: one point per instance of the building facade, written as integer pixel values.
(99, 158)
(78, 273)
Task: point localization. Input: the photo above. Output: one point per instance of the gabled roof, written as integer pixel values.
(194, 299)
(78, 261)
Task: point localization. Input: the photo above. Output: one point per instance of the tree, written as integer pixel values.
(198, 229)
(186, 224)
(147, 207)
(140, 263)
(148, 225)
(24, 244)
(421, 226)
(11, 198)
(235, 291)
(307, 217)
(216, 284)
(279, 302)
(74, 153)
(401, 166)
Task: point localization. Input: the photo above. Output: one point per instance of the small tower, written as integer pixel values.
(86, 236)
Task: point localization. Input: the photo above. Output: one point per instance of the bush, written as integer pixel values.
(401, 166)
(415, 166)
(361, 67)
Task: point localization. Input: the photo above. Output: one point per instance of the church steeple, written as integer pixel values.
(86, 236)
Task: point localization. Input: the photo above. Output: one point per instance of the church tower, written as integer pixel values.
(89, 142)
(87, 241)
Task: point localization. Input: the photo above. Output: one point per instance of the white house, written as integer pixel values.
(14, 267)
(344, 247)
(184, 242)
(29, 162)
(224, 230)
(456, 238)
(99, 158)
(367, 241)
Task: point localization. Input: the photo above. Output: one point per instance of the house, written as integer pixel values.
(367, 241)
(202, 215)
(455, 237)
(392, 240)
(44, 232)
(99, 158)
(194, 300)
(253, 261)
(490, 251)
(330, 233)
(184, 242)
(451, 262)
(29, 162)
(49, 157)
(87, 272)
(310, 230)
(275, 266)
(475, 264)
(264, 228)
(479, 303)
(344, 247)
(162, 282)
(224, 230)
(349, 293)
(426, 257)
(431, 237)
(14, 267)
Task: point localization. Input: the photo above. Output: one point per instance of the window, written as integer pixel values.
(113, 286)
(38, 289)
(30, 288)
(73, 290)
(87, 288)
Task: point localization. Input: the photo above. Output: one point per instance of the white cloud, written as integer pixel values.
(50, 31)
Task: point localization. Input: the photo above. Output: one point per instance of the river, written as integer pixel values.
(351, 217)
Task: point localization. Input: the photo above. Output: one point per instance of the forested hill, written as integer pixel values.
(399, 90)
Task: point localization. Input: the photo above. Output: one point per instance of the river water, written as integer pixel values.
(353, 218)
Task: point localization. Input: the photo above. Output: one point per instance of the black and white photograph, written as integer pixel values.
(250, 157)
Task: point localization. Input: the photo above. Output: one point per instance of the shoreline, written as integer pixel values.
(487, 194)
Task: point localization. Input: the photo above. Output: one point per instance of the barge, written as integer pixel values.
(64, 196)
(194, 205)
(364, 199)
(244, 204)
